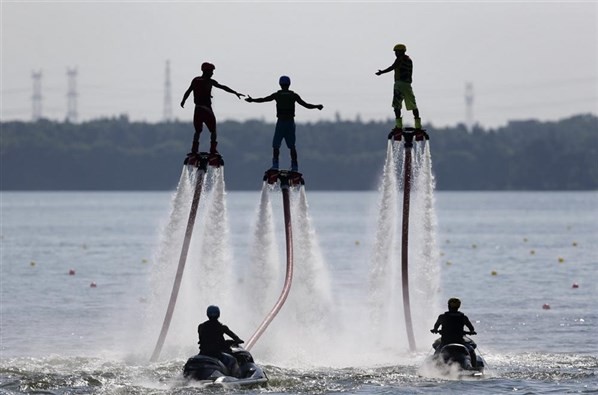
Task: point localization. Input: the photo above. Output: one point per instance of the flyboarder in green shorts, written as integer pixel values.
(403, 68)
(285, 125)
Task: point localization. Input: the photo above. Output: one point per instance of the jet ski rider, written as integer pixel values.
(211, 340)
(452, 323)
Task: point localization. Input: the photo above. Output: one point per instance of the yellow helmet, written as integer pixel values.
(400, 47)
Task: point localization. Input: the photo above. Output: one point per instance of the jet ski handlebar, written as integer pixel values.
(464, 332)
(230, 342)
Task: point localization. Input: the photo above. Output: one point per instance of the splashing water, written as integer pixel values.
(385, 234)
(311, 301)
(385, 266)
(208, 271)
(265, 262)
(382, 292)
(313, 282)
(165, 260)
(213, 277)
(296, 336)
(308, 329)
(425, 256)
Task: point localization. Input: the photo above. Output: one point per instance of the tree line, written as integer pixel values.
(116, 154)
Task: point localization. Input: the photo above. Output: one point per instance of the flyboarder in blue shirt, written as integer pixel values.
(285, 125)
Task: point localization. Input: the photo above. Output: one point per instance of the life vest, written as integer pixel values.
(404, 69)
(202, 91)
(452, 327)
(285, 104)
(211, 337)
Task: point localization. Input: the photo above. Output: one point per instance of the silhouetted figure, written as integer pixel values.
(211, 339)
(285, 125)
(202, 97)
(402, 91)
(452, 322)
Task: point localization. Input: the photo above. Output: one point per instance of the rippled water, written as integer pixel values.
(59, 335)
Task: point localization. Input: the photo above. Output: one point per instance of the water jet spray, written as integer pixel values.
(408, 135)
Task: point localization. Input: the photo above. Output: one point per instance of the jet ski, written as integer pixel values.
(236, 367)
(449, 356)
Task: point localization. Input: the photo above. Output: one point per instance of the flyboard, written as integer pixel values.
(408, 135)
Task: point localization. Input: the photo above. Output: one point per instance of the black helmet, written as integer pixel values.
(284, 80)
(213, 312)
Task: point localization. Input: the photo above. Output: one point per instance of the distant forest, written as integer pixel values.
(116, 154)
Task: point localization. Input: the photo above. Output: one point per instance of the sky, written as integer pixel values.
(524, 60)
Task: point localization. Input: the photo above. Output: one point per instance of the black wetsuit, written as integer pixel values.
(452, 326)
(452, 331)
(211, 338)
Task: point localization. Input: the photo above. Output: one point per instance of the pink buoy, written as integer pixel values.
(72, 272)
(546, 306)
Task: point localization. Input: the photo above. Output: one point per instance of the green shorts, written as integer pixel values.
(403, 91)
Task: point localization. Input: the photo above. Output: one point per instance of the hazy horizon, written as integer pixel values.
(532, 60)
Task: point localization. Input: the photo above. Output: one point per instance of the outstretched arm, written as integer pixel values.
(389, 68)
(186, 95)
(259, 99)
(227, 89)
(307, 105)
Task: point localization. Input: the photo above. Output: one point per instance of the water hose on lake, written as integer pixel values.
(201, 162)
(408, 134)
(287, 179)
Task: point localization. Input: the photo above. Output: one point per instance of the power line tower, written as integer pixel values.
(71, 95)
(469, 106)
(167, 117)
(36, 98)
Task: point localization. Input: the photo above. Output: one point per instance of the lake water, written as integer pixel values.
(505, 254)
